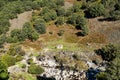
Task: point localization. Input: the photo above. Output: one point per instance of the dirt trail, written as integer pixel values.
(18, 22)
(68, 5)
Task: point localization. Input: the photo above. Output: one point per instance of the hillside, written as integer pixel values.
(59, 40)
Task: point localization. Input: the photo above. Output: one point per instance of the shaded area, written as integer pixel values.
(79, 34)
(45, 78)
(87, 14)
(106, 19)
(78, 27)
(91, 73)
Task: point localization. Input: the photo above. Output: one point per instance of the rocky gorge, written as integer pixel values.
(60, 69)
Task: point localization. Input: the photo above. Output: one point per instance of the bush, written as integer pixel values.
(80, 22)
(60, 2)
(117, 6)
(29, 32)
(95, 10)
(102, 76)
(85, 30)
(72, 19)
(3, 71)
(60, 21)
(50, 15)
(47, 17)
(15, 50)
(30, 61)
(60, 11)
(115, 15)
(108, 52)
(76, 7)
(18, 34)
(8, 59)
(12, 39)
(35, 69)
(61, 32)
(19, 58)
(2, 40)
(44, 11)
(40, 28)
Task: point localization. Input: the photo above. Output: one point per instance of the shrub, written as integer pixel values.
(102, 76)
(76, 7)
(35, 69)
(60, 21)
(19, 58)
(8, 59)
(12, 39)
(30, 61)
(115, 15)
(3, 71)
(108, 52)
(76, 57)
(72, 19)
(29, 32)
(47, 17)
(18, 34)
(2, 40)
(85, 30)
(117, 6)
(15, 50)
(61, 32)
(60, 2)
(44, 11)
(95, 10)
(80, 22)
(40, 28)
(60, 11)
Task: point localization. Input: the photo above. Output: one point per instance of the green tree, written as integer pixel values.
(76, 7)
(3, 71)
(102, 76)
(60, 21)
(29, 32)
(85, 30)
(72, 19)
(18, 33)
(2, 40)
(60, 2)
(115, 15)
(16, 50)
(108, 52)
(60, 11)
(95, 10)
(113, 69)
(40, 28)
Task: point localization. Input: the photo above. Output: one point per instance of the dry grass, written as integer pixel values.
(110, 29)
(71, 1)
(18, 23)
(93, 38)
(37, 45)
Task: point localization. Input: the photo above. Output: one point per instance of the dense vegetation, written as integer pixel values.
(111, 54)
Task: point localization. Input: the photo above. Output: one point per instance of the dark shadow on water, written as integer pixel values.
(91, 73)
